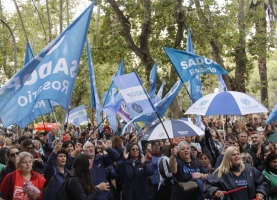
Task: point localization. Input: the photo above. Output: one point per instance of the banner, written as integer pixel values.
(77, 116)
(53, 73)
(189, 65)
(137, 100)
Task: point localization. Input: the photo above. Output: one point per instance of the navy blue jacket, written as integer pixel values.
(98, 172)
(54, 178)
(256, 183)
(135, 179)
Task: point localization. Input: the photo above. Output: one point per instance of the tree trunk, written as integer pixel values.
(175, 109)
(61, 16)
(49, 21)
(261, 35)
(21, 20)
(241, 75)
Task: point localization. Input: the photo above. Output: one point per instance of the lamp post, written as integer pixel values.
(14, 44)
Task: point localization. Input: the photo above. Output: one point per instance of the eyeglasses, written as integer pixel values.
(13, 154)
(98, 152)
(134, 149)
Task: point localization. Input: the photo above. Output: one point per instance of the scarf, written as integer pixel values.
(235, 168)
(273, 180)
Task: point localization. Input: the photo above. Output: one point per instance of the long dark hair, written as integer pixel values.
(129, 150)
(81, 170)
(269, 158)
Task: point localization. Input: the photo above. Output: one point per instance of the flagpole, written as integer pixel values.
(95, 129)
(60, 139)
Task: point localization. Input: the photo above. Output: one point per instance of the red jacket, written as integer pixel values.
(8, 183)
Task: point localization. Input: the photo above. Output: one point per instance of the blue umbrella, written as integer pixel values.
(174, 128)
(226, 103)
(273, 115)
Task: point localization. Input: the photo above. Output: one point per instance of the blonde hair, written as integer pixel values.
(226, 163)
(21, 156)
(40, 145)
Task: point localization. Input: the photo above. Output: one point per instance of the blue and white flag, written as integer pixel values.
(159, 95)
(161, 107)
(53, 73)
(77, 116)
(137, 100)
(42, 107)
(221, 84)
(189, 65)
(94, 98)
(152, 81)
(112, 89)
(111, 109)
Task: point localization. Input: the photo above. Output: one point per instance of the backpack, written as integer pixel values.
(62, 192)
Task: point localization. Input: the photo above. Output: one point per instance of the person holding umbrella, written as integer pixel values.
(234, 180)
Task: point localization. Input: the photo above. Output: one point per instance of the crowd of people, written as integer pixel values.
(233, 160)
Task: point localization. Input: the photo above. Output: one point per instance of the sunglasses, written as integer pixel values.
(13, 154)
(134, 149)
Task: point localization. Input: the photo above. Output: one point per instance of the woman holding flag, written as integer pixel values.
(234, 180)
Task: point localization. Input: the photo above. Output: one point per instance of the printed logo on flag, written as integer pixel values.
(161, 134)
(183, 132)
(137, 108)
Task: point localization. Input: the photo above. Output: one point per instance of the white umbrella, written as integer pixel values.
(226, 103)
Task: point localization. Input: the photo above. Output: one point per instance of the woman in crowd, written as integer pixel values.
(270, 173)
(80, 186)
(247, 158)
(68, 146)
(186, 168)
(206, 162)
(38, 147)
(135, 170)
(13, 185)
(8, 142)
(54, 171)
(11, 154)
(147, 150)
(232, 174)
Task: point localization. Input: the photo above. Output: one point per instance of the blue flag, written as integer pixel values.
(77, 115)
(152, 81)
(42, 107)
(159, 95)
(161, 107)
(53, 73)
(221, 84)
(189, 65)
(112, 89)
(29, 55)
(137, 100)
(195, 85)
(94, 98)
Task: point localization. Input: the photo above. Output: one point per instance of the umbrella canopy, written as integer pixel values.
(46, 126)
(226, 103)
(273, 137)
(174, 128)
(273, 115)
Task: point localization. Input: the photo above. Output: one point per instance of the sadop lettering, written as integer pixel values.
(136, 93)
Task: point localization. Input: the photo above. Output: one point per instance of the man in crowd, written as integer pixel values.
(243, 141)
(99, 163)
